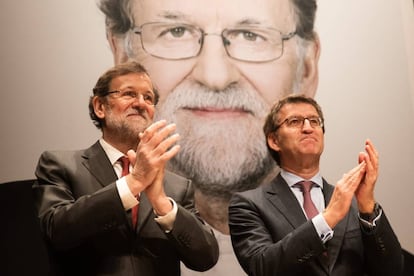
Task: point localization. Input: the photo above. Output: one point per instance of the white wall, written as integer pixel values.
(367, 90)
(53, 51)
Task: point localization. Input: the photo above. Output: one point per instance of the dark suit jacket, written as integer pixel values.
(90, 233)
(271, 236)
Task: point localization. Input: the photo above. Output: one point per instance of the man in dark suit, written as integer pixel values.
(284, 229)
(87, 200)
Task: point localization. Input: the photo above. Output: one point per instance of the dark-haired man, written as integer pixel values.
(298, 224)
(112, 209)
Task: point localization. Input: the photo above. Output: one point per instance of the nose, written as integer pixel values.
(306, 125)
(214, 68)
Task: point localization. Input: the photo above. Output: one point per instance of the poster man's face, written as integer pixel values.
(219, 103)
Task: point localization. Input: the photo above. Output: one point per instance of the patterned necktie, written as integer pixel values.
(308, 205)
(125, 170)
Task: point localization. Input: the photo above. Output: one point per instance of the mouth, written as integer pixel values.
(136, 115)
(213, 112)
(309, 138)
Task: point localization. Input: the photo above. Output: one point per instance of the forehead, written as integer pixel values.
(217, 13)
(297, 109)
(132, 80)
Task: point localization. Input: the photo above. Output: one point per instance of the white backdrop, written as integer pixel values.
(52, 52)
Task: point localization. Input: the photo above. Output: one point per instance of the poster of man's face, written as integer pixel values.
(218, 70)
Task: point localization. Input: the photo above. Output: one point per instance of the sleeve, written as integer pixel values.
(382, 250)
(194, 241)
(324, 231)
(167, 221)
(127, 198)
(266, 244)
(70, 209)
(369, 221)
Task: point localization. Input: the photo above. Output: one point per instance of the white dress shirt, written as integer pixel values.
(127, 197)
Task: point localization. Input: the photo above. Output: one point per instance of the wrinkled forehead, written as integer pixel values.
(217, 14)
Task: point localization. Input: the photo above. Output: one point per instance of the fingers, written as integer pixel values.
(365, 192)
(372, 154)
(158, 143)
(361, 157)
(369, 146)
(355, 174)
(343, 193)
(358, 182)
(352, 179)
(132, 156)
(149, 132)
(156, 146)
(161, 139)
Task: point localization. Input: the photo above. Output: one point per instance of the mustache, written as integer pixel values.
(198, 96)
(138, 111)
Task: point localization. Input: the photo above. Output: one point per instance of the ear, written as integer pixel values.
(273, 142)
(116, 42)
(98, 107)
(310, 76)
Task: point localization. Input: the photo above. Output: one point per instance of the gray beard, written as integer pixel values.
(126, 132)
(220, 156)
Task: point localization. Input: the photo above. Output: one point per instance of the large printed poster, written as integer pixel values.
(218, 70)
(217, 76)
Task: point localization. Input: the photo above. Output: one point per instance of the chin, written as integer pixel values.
(222, 157)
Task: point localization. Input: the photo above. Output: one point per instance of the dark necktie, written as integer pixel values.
(308, 205)
(125, 170)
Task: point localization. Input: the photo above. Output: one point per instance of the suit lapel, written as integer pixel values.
(98, 164)
(281, 196)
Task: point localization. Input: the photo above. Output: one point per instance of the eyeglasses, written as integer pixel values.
(176, 41)
(130, 95)
(299, 121)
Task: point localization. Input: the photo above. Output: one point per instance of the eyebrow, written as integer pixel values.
(249, 21)
(126, 87)
(174, 15)
(180, 16)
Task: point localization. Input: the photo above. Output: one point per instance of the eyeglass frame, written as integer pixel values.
(154, 97)
(284, 37)
(302, 120)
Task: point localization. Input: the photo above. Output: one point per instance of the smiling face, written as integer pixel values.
(299, 147)
(125, 117)
(219, 103)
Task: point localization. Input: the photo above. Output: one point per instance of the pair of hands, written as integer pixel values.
(359, 182)
(156, 146)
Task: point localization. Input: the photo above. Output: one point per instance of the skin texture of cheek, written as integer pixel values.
(272, 81)
(167, 75)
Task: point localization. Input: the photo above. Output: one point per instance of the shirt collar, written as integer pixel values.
(291, 179)
(112, 153)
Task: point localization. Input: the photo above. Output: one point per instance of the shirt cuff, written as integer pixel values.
(127, 198)
(167, 221)
(324, 231)
(371, 224)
